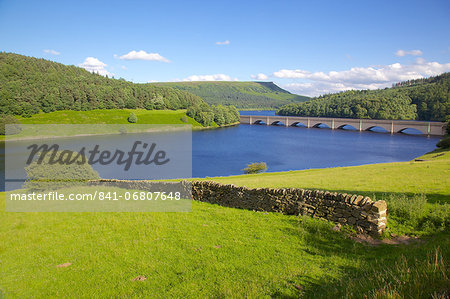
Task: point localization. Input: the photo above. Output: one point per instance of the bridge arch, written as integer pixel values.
(411, 131)
(259, 122)
(377, 128)
(322, 125)
(278, 123)
(299, 124)
(347, 127)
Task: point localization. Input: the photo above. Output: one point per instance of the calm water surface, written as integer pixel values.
(227, 151)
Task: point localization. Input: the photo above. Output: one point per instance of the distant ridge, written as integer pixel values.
(29, 85)
(243, 95)
(419, 99)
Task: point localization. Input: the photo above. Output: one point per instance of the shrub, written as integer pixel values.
(444, 143)
(184, 119)
(15, 127)
(132, 118)
(51, 176)
(255, 168)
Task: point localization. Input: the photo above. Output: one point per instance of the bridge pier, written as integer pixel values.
(392, 126)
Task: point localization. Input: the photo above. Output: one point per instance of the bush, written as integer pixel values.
(444, 143)
(184, 119)
(132, 118)
(51, 176)
(255, 168)
(15, 127)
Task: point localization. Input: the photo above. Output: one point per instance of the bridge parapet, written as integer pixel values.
(392, 126)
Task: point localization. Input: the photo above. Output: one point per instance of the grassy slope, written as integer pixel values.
(110, 116)
(240, 94)
(216, 251)
(430, 177)
(210, 252)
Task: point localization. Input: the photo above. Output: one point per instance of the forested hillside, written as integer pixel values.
(29, 85)
(243, 95)
(422, 99)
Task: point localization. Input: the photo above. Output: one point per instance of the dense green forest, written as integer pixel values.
(29, 85)
(421, 99)
(243, 95)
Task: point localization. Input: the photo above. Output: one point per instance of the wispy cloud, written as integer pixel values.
(142, 55)
(260, 76)
(316, 83)
(92, 64)
(224, 43)
(401, 53)
(215, 77)
(52, 52)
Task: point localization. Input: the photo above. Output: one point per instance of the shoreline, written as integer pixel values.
(3, 138)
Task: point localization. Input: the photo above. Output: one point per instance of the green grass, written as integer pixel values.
(215, 251)
(105, 116)
(417, 192)
(430, 178)
(109, 116)
(210, 252)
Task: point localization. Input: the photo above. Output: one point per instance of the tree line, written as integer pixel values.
(243, 95)
(422, 99)
(207, 115)
(30, 85)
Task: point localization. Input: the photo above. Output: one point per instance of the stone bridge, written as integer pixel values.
(392, 126)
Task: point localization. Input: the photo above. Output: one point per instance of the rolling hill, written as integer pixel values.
(243, 95)
(420, 99)
(30, 85)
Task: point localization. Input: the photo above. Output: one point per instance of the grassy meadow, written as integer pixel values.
(429, 176)
(110, 116)
(115, 117)
(215, 251)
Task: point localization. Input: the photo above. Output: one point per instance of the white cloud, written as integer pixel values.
(92, 64)
(142, 55)
(359, 77)
(401, 53)
(215, 77)
(227, 42)
(123, 67)
(52, 52)
(259, 76)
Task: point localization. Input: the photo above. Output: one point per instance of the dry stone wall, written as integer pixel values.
(355, 210)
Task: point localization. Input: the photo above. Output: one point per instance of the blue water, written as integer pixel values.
(226, 151)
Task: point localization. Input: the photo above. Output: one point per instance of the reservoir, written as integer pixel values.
(226, 151)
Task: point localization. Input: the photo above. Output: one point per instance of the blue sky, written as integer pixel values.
(307, 47)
